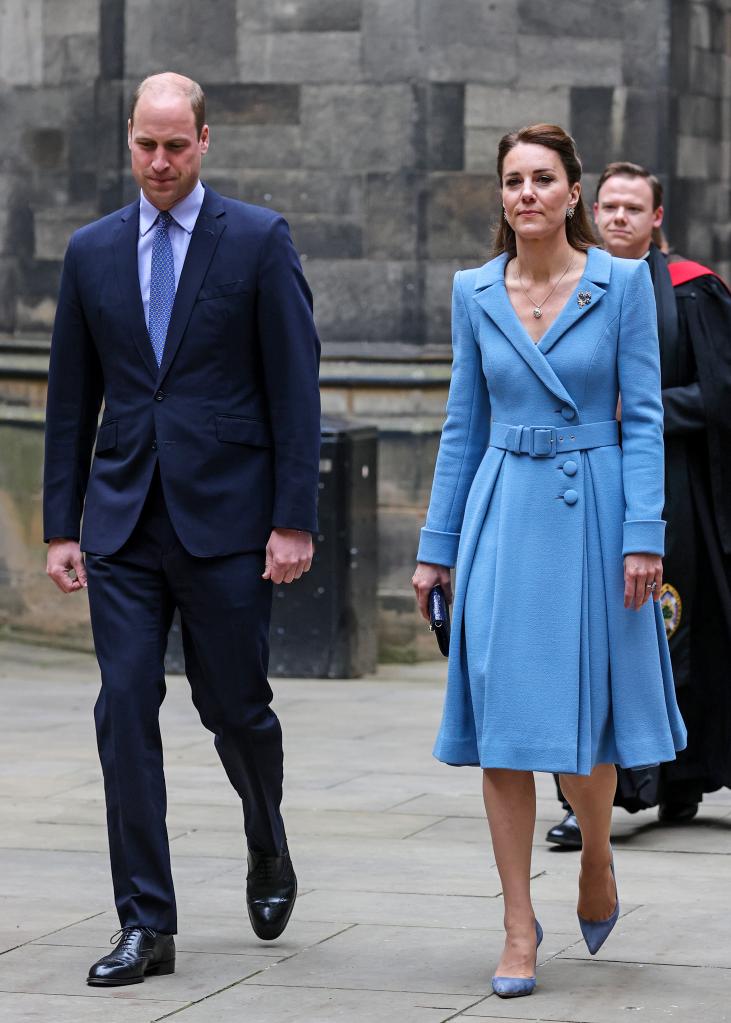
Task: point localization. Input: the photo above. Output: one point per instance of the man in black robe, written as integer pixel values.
(694, 325)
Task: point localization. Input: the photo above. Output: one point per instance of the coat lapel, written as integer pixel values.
(125, 258)
(208, 229)
(491, 295)
(586, 297)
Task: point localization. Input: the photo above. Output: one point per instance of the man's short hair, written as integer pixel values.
(625, 169)
(186, 86)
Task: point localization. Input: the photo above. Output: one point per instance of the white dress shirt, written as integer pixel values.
(184, 214)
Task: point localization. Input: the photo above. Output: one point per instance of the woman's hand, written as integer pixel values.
(640, 572)
(425, 578)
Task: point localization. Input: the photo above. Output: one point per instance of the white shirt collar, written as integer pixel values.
(184, 213)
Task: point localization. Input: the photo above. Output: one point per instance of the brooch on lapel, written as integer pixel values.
(584, 298)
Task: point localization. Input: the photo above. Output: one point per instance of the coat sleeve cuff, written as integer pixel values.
(644, 536)
(437, 548)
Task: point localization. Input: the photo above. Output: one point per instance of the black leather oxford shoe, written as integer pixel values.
(567, 833)
(676, 813)
(271, 888)
(139, 951)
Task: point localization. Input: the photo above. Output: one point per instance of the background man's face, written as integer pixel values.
(166, 150)
(624, 216)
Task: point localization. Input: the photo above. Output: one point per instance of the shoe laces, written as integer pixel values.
(266, 868)
(124, 935)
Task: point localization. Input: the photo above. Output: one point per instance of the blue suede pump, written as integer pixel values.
(515, 987)
(596, 932)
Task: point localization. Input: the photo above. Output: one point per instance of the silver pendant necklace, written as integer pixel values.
(538, 306)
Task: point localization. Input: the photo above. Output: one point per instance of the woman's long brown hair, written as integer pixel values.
(579, 231)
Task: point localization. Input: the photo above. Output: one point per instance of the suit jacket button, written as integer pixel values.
(154, 445)
(571, 497)
(570, 467)
(568, 413)
(159, 395)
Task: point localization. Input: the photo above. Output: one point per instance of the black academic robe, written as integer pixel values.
(694, 320)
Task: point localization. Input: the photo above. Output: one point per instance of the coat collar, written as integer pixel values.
(491, 295)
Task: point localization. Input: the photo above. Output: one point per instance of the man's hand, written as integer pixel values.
(289, 555)
(64, 558)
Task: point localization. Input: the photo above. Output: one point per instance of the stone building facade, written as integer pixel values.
(372, 125)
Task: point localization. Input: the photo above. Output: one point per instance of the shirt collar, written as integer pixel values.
(184, 213)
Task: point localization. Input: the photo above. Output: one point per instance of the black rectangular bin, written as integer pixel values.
(325, 624)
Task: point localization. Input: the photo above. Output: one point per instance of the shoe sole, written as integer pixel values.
(159, 969)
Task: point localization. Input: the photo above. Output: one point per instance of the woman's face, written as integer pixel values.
(536, 191)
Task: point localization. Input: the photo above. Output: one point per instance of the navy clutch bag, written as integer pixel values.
(439, 618)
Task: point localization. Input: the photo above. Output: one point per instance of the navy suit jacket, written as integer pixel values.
(233, 413)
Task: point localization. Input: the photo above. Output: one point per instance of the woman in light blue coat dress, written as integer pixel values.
(558, 660)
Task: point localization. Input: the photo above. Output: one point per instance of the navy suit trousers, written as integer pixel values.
(225, 609)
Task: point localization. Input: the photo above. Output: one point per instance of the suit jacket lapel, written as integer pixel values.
(125, 258)
(586, 297)
(491, 295)
(208, 229)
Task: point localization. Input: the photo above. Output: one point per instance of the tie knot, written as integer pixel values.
(164, 219)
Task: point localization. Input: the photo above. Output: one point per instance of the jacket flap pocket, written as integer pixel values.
(237, 430)
(222, 290)
(106, 437)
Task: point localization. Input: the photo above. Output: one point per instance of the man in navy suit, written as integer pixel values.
(188, 316)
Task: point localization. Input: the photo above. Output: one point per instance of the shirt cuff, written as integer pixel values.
(644, 536)
(437, 548)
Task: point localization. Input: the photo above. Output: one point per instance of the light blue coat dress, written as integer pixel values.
(547, 669)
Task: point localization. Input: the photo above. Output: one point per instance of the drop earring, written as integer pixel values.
(505, 215)
(570, 212)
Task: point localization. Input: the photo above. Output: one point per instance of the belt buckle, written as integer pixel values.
(542, 442)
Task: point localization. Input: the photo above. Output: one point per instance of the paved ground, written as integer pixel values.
(399, 916)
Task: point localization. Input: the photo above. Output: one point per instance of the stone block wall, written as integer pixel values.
(372, 125)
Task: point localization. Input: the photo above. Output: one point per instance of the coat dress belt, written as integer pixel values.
(549, 441)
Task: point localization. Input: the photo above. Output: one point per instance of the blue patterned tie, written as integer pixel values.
(162, 285)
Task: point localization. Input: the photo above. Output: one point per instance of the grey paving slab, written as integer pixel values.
(603, 992)
(207, 929)
(709, 833)
(35, 1008)
(387, 865)
(663, 935)
(263, 1004)
(301, 825)
(437, 960)
(68, 837)
(461, 912)
(62, 970)
(25, 917)
(644, 877)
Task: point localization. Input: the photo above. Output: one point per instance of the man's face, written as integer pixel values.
(166, 150)
(625, 217)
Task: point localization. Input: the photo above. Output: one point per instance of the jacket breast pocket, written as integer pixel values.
(106, 437)
(224, 290)
(238, 430)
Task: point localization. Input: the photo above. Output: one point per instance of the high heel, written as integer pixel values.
(596, 932)
(515, 987)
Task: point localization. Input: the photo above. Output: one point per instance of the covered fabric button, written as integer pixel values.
(570, 467)
(571, 497)
(568, 413)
